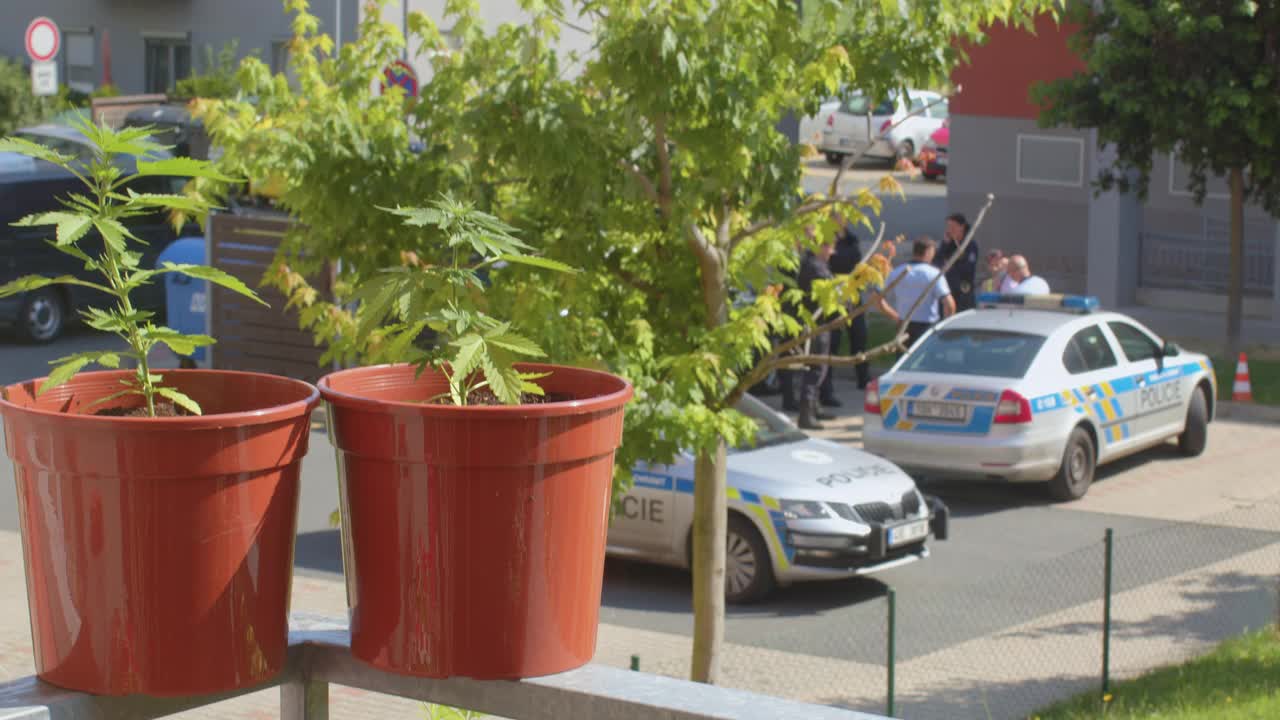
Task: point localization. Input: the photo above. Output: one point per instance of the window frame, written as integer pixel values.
(1017, 160)
(1071, 345)
(171, 43)
(1156, 348)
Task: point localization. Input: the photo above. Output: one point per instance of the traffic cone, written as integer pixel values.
(1241, 391)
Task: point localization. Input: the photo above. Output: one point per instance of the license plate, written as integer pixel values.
(846, 142)
(908, 532)
(936, 410)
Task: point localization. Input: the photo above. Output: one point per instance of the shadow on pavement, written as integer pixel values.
(633, 585)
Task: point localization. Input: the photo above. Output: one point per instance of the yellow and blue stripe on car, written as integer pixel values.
(1105, 408)
(765, 508)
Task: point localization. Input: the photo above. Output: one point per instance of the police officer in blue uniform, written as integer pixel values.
(963, 276)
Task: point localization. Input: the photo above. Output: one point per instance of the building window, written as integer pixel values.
(1050, 160)
(1180, 181)
(80, 57)
(279, 56)
(168, 61)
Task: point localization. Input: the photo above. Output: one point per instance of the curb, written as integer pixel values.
(1247, 412)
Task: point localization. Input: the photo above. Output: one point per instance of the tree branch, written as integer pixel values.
(664, 165)
(849, 160)
(646, 184)
(968, 238)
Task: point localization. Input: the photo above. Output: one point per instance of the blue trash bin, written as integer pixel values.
(186, 298)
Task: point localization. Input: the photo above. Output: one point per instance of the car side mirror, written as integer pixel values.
(1170, 349)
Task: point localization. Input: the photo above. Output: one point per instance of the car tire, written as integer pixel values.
(905, 150)
(43, 316)
(834, 159)
(1195, 435)
(1079, 461)
(748, 572)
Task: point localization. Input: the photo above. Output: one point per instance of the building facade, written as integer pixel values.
(1164, 252)
(146, 46)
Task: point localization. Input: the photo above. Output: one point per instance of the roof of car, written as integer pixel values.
(59, 131)
(1018, 320)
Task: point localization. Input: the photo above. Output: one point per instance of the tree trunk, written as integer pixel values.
(710, 506)
(710, 525)
(1235, 279)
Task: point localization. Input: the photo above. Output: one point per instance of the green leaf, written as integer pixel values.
(471, 350)
(64, 371)
(215, 276)
(538, 262)
(71, 226)
(113, 233)
(516, 343)
(180, 399)
(23, 146)
(181, 203)
(177, 342)
(75, 252)
(35, 282)
(113, 396)
(182, 167)
(415, 217)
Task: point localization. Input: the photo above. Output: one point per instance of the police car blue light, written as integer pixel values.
(1037, 388)
(1072, 303)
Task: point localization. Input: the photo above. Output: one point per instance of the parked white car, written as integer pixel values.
(855, 123)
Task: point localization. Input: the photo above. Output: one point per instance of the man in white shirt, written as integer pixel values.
(1024, 283)
(917, 276)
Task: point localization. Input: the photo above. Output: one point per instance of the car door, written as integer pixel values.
(644, 520)
(1157, 395)
(1091, 365)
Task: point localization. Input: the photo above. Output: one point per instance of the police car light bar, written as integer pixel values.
(1068, 303)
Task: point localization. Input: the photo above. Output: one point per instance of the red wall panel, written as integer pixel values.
(1000, 72)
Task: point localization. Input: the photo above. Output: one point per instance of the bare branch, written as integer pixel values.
(849, 160)
(898, 344)
(645, 183)
(968, 238)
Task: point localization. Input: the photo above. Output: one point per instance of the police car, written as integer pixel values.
(800, 508)
(1037, 388)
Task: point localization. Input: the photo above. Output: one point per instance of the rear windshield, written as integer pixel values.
(975, 352)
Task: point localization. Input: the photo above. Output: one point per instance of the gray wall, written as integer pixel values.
(1047, 223)
(255, 23)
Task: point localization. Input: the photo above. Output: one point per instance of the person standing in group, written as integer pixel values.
(997, 273)
(1024, 283)
(847, 255)
(814, 266)
(962, 277)
(917, 279)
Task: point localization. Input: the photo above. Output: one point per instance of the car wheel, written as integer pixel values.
(1075, 475)
(906, 151)
(834, 158)
(1195, 435)
(748, 572)
(43, 316)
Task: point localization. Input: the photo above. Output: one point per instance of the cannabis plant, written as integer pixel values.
(476, 352)
(112, 159)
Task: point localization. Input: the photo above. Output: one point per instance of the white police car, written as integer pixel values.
(800, 508)
(1037, 388)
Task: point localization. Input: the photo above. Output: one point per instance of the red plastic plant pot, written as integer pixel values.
(159, 551)
(473, 537)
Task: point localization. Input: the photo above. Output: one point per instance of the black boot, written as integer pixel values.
(808, 419)
(832, 401)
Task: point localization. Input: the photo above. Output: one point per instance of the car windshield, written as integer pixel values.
(772, 428)
(993, 353)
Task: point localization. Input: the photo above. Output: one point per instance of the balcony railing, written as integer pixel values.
(319, 658)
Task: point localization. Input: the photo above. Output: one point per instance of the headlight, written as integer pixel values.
(804, 510)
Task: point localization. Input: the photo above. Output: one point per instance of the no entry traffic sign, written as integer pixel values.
(43, 39)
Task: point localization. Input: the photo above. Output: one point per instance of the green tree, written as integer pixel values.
(18, 106)
(1197, 77)
(654, 165)
(218, 76)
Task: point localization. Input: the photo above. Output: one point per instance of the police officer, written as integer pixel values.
(847, 256)
(813, 266)
(963, 276)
